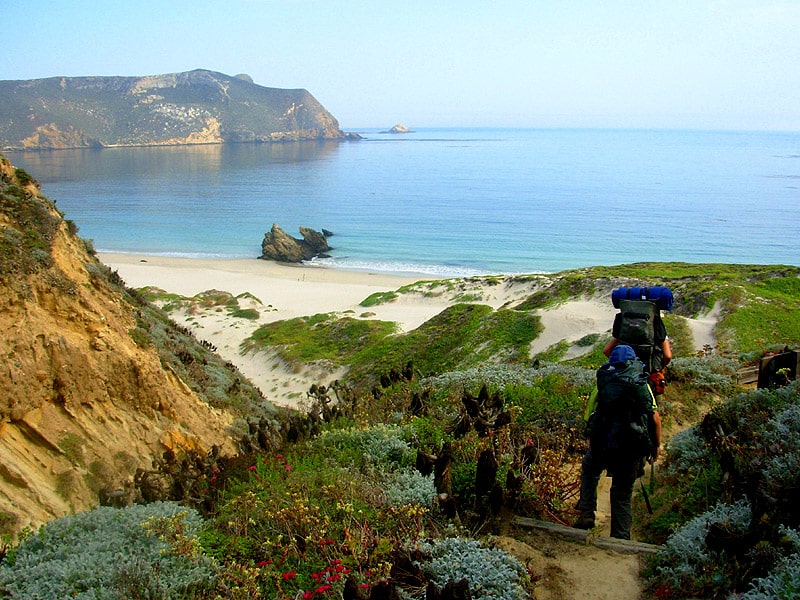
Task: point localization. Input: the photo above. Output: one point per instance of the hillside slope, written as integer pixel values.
(195, 107)
(85, 397)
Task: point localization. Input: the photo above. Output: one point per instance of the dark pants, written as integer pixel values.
(623, 471)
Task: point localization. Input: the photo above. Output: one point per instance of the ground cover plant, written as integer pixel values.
(400, 475)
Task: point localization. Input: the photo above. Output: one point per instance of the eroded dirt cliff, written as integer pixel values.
(85, 399)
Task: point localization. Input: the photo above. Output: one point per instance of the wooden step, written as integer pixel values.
(587, 537)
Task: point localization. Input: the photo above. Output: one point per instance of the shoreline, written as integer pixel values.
(280, 292)
(142, 267)
(277, 292)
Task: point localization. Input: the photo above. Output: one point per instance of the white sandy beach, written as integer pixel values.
(284, 292)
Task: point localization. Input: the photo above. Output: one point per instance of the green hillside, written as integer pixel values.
(180, 108)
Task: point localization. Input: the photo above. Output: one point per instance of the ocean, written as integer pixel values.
(447, 202)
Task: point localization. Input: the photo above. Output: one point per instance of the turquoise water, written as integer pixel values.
(447, 202)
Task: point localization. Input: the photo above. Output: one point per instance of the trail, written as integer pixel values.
(570, 564)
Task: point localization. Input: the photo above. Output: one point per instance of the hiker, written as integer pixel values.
(623, 429)
(639, 325)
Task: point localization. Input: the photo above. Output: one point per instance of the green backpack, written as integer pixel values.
(637, 329)
(623, 419)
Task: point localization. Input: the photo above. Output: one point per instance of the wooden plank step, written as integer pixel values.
(587, 537)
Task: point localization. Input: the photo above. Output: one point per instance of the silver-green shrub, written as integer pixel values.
(782, 441)
(501, 376)
(101, 554)
(783, 582)
(409, 486)
(379, 446)
(687, 452)
(709, 373)
(686, 557)
(492, 573)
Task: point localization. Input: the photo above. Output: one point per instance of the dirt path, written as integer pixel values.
(570, 568)
(572, 571)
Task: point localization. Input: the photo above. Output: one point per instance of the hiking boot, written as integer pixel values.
(585, 521)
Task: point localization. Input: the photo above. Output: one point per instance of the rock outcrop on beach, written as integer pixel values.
(281, 247)
(195, 107)
(88, 399)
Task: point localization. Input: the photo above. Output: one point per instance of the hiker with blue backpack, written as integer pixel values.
(639, 325)
(623, 429)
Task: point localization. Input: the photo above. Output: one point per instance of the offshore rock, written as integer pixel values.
(281, 247)
(196, 107)
(399, 128)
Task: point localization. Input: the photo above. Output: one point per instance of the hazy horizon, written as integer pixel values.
(704, 65)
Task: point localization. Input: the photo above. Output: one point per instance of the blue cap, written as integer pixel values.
(621, 353)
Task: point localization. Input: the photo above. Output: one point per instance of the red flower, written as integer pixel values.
(324, 588)
(252, 468)
(264, 563)
(289, 575)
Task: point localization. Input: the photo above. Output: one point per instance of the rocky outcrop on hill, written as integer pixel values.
(281, 247)
(88, 397)
(196, 107)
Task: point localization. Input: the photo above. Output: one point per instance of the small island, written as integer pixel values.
(399, 128)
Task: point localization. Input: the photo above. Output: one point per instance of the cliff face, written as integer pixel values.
(85, 397)
(197, 107)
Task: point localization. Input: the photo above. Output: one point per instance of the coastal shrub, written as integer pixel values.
(114, 544)
(783, 581)
(680, 335)
(461, 336)
(710, 373)
(409, 486)
(687, 453)
(502, 376)
(781, 442)
(492, 573)
(318, 337)
(378, 298)
(759, 323)
(687, 565)
(381, 445)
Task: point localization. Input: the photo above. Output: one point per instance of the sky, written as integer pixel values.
(674, 64)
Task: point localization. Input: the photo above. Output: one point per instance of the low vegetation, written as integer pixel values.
(400, 477)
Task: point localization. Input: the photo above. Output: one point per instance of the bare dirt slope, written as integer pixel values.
(82, 404)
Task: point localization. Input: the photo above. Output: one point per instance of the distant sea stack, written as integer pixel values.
(399, 128)
(196, 107)
(281, 247)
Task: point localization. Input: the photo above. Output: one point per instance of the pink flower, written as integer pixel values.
(252, 468)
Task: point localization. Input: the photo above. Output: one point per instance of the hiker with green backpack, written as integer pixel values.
(623, 430)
